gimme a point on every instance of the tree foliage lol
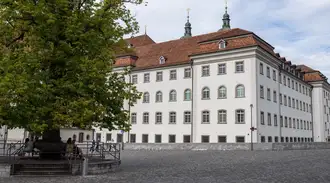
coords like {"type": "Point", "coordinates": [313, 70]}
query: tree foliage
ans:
{"type": "Point", "coordinates": [56, 61]}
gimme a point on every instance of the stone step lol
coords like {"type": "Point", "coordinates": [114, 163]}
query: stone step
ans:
{"type": "Point", "coordinates": [43, 172]}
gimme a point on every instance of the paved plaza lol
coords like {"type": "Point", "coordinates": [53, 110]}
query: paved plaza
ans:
{"type": "Point", "coordinates": [209, 166]}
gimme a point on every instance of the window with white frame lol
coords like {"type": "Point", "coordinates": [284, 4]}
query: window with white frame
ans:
{"type": "Point", "coordinates": [146, 78]}
{"type": "Point", "coordinates": [187, 73]}
{"type": "Point", "coordinates": [296, 86]}
{"type": "Point", "coordinates": [281, 121]}
{"type": "Point", "coordinates": [239, 66]}
{"type": "Point", "coordinates": [205, 70]}
{"type": "Point", "coordinates": [262, 118]}
{"type": "Point", "coordinates": [146, 97]}
{"type": "Point", "coordinates": [294, 123]}
{"type": "Point", "coordinates": [293, 103]}
{"type": "Point", "coordinates": [222, 44]}
{"type": "Point", "coordinates": [221, 69]}
{"type": "Point", "coordinates": [292, 85]}
{"type": "Point", "coordinates": [134, 79]}
{"type": "Point", "coordinates": [206, 93]}
{"type": "Point", "coordinates": [159, 76]}
{"type": "Point", "coordinates": [222, 116]}
{"type": "Point", "coordinates": [279, 77]}
{"type": "Point", "coordinates": [285, 101]}
{"type": "Point", "coordinates": [285, 122]}
{"type": "Point", "coordinates": [133, 118]}
{"type": "Point", "coordinates": [159, 118]}
{"type": "Point", "coordinates": [172, 96]}
{"type": "Point", "coordinates": [284, 80]}
{"type": "Point", "coordinates": [187, 95]}
{"type": "Point", "coordinates": [173, 75]}
{"type": "Point", "coordinates": [262, 92]}
{"type": "Point", "coordinates": [240, 91]}
{"type": "Point", "coordinates": [222, 92]}
{"type": "Point", "coordinates": [240, 116]}
{"type": "Point", "coordinates": [205, 116]}
{"type": "Point", "coordinates": [280, 96]}
{"type": "Point", "coordinates": [289, 101]}
{"type": "Point", "coordinates": [274, 96]}
{"type": "Point", "coordinates": [269, 119]}
{"type": "Point", "coordinates": [172, 118]}
{"type": "Point", "coordinates": [145, 118]}
{"type": "Point", "coordinates": [268, 72]}
{"type": "Point", "coordinates": [187, 117]}
{"type": "Point", "coordinates": [298, 124]}
{"type": "Point", "coordinates": [261, 68]}
{"type": "Point", "coordinates": [275, 120]}
{"type": "Point", "coordinates": [268, 94]}
{"type": "Point", "coordinates": [274, 75]}
{"type": "Point", "coordinates": [289, 82]}
{"type": "Point", "coordinates": [159, 96]}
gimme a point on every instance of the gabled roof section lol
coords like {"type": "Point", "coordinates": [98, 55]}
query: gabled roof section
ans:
{"type": "Point", "coordinates": [305, 68]}
{"type": "Point", "coordinates": [227, 34]}
{"type": "Point", "coordinates": [141, 40]}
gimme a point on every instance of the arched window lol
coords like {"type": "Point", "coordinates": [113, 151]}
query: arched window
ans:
{"type": "Point", "coordinates": [187, 94]}
{"type": "Point", "coordinates": [159, 96]}
{"type": "Point", "coordinates": [240, 116]}
{"type": "Point", "coordinates": [222, 92]}
{"type": "Point", "coordinates": [206, 93]}
{"type": "Point", "coordinates": [146, 97]}
{"type": "Point", "coordinates": [222, 116]}
{"type": "Point", "coordinates": [222, 44]}
{"type": "Point", "coordinates": [240, 91]}
{"type": "Point", "coordinates": [172, 96]}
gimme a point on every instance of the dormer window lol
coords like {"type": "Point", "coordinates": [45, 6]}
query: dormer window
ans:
{"type": "Point", "coordinates": [162, 60]}
{"type": "Point", "coordinates": [222, 44]}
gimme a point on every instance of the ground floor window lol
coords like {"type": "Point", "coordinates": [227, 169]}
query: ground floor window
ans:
{"type": "Point", "coordinates": [158, 138]}
{"type": "Point", "coordinates": [205, 139]}
{"type": "Point", "coordinates": [132, 138]}
{"type": "Point", "coordinates": [282, 139]}
{"type": "Point", "coordinates": [145, 138]}
{"type": "Point", "coordinates": [240, 139]}
{"type": "Point", "coordinates": [171, 138]}
{"type": "Point", "coordinates": [108, 137]}
{"type": "Point", "coordinates": [276, 139]}
{"type": "Point", "coordinates": [270, 139]}
{"type": "Point", "coordinates": [186, 138]}
{"type": "Point", "coordinates": [119, 138]}
{"type": "Point", "coordinates": [222, 139]}
{"type": "Point", "coordinates": [262, 139]}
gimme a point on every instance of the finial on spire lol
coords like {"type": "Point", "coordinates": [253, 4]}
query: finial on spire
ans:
{"type": "Point", "coordinates": [187, 25]}
{"type": "Point", "coordinates": [226, 18]}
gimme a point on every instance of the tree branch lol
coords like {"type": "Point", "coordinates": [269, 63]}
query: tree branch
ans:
{"type": "Point", "coordinates": [20, 37]}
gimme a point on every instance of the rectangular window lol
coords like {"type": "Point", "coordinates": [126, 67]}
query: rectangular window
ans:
{"type": "Point", "coordinates": [301, 124]}
{"type": "Point", "coordinates": [134, 79]}
{"type": "Point", "coordinates": [274, 96]}
{"type": "Point", "coordinates": [206, 70]}
{"type": "Point", "coordinates": [292, 84]}
{"type": "Point", "coordinates": [173, 75]}
{"type": "Point", "coordinates": [298, 124]}
{"type": "Point", "coordinates": [239, 66]}
{"type": "Point", "coordinates": [268, 72]}
{"type": "Point", "coordinates": [262, 139]}
{"type": "Point", "coordinates": [222, 139]}
{"type": "Point", "coordinates": [281, 121]}
{"type": "Point", "coordinates": [294, 123]}
{"type": "Point", "coordinates": [311, 125]}
{"type": "Point", "coordinates": [284, 80]}
{"type": "Point", "coordinates": [297, 104]}
{"type": "Point", "coordinates": [279, 77]}
{"type": "Point", "coordinates": [186, 139]}
{"type": "Point", "coordinates": [289, 82]}
{"type": "Point", "coordinates": [261, 68]}
{"type": "Point", "coordinates": [119, 138]}
{"type": "Point", "coordinates": [145, 138]}
{"type": "Point", "coordinates": [146, 78]}
{"type": "Point", "coordinates": [222, 117]}
{"type": "Point", "coordinates": [300, 105]}
{"type": "Point", "coordinates": [205, 117]}
{"type": "Point", "coordinates": [262, 118]}
{"type": "Point", "coordinates": [159, 76]}
{"type": "Point", "coordinates": [275, 120]}
{"type": "Point", "coordinates": [300, 88]}
{"type": "Point", "coordinates": [262, 93]}
{"type": "Point", "coordinates": [132, 138]}
{"type": "Point", "coordinates": [269, 119]}
{"type": "Point", "coordinates": [281, 98]}
{"type": "Point", "coordinates": [296, 86]}
{"type": "Point", "coordinates": [108, 137]}
{"type": "Point", "coordinates": [285, 122]}
{"type": "Point", "coordinates": [240, 116]}
{"type": "Point", "coordinates": [221, 69]}
{"type": "Point", "coordinates": [171, 139]}
{"type": "Point", "coordinates": [205, 138]}
{"type": "Point", "coordinates": [158, 138]}
{"type": "Point", "coordinates": [289, 101]}
{"type": "Point", "coordinates": [240, 139]}
{"type": "Point", "coordinates": [303, 89]}
{"type": "Point", "coordinates": [172, 118]}
{"type": "Point", "coordinates": [133, 118]}
{"type": "Point", "coordinates": [290, 123]}
{"type": "Point", "coordinates": [285, 101]}
{"type": "Point", "coordinates": [274, 75]}
{"type": "Point", "coordinates": [159, 118]}
{"type": "Point", "coordinates": [187, 73]}
{"type": "Point", "coordinates": [270, 139]}
{"type": "Point", "coordinates": [293, 103]}
{"type": "Point", "coordinates": [268, 94]}
{"type": "Point", "coordinates": [145, 118]}
{"type": "Point", "coordinates": [307, 125]}
{"type": "Point", "coordinates": [187, 117]}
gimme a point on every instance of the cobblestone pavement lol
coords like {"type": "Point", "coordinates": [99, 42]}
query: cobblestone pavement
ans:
{"type": "Point", "coordinates": [209, 166]}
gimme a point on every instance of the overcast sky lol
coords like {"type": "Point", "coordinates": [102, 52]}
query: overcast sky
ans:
{"type": "Point", "coordinates": [298, 29]}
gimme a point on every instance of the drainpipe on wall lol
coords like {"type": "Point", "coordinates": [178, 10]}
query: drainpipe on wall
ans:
{"type": "Point", "coordinates": [279, 104]}
{"type": "Point", "coordinates": [192, 102]}
{"type": "Point", "coordinates": [311, 109]}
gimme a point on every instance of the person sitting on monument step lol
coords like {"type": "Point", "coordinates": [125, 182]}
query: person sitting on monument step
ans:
{"type": "Point", "coordinates": [28, 147]}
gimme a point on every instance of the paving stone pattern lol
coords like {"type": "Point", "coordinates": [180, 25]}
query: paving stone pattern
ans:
{"type": "Point", "coordinates": [209, 166]}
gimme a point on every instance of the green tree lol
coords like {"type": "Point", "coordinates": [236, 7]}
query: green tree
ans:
{"type": "Point", "coordinates": [56, 60]}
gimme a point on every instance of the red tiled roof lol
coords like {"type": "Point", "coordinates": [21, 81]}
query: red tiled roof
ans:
{"type": "Point", "coordinates": [178, 51]}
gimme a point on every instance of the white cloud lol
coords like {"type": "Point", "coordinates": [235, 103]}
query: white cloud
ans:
{"type": "Point", "coordinates": [298, 29]}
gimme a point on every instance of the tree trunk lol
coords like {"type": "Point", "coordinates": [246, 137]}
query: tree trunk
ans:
{"type": "Point", "coordinates": [51, 147]}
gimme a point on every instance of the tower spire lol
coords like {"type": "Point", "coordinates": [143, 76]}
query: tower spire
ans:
{"type": "Point", "coordinates": [226, 18]}
{"type": "Point", "coordinates": [187, 26]}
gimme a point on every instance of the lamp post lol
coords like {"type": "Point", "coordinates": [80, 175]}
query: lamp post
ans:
{"type": "Point", "coordinates": [251, 128]}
